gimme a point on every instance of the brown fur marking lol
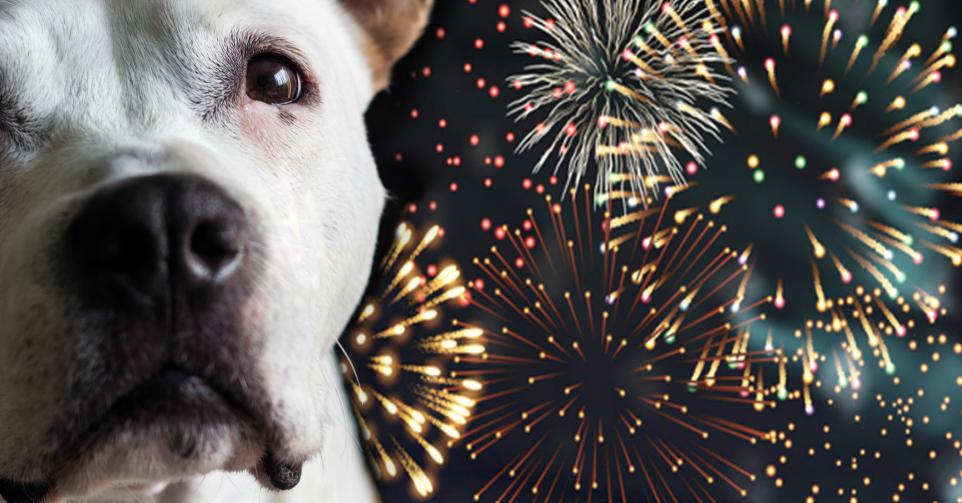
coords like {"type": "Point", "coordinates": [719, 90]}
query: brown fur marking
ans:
{"type": "Point", "coordinates": [391, 27]}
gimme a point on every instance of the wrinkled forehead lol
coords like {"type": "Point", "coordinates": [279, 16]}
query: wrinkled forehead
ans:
{"type": "Point", "coordinates": [101, 52]}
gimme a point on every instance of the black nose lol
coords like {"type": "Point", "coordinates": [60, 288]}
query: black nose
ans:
{"type": "Point", "coordinates": [153, 236]}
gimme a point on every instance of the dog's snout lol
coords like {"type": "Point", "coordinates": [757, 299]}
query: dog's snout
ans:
{"type": "Point", "coordinates": [158, 235]}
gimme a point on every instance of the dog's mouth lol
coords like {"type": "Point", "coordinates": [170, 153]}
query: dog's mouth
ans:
{"type": "Point", "coordinates": [187, 405]}
{"type": "Point", "coordinates": [173, 392]}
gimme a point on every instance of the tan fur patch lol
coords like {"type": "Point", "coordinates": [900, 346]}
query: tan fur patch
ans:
{"type": "Point", "coordinates": [390, 28]}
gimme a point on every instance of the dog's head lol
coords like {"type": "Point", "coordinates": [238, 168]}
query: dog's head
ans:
{"type": "Point", "coordinates": [188, 210]}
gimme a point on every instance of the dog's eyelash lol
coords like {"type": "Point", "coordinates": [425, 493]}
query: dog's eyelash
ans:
{"type": "Point", "coordinates": [226, 81]}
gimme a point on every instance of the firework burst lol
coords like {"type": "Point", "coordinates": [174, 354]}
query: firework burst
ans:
{"type": "Point", "coordinates": [623, 83]}
{"type": "Point", "coordinates": [846, 161]}
{"type": "Point", "coordinates": [618, 359]}
{"type": "Point", "coordinates": [840, 154]}
{"type": "Point", "coordinates": [399, 365]}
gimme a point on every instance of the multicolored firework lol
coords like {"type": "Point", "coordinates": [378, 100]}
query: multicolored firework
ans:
{"type": "Point", "coordinates": [624, 83]}
{"type": "Point", "coordinates": [625, 342]}
{"type": "Point", "coordinates": [399, 366]}
{"type": "Point", "coordinates": [846, 160]}
{"type": "Point", "coordinates": [836, 148]}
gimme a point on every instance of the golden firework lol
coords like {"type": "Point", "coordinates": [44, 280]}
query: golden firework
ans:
{"type": "Point", "coordinates": [400, 363]}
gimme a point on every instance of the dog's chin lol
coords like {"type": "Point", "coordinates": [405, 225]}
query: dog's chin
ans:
{"type": "Point", "coordinates": [171, 428]}
{"type": "Point", "coordinates": [145, 455]}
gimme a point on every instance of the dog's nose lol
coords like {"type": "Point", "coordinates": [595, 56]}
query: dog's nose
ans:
{"type": "Point", "coordinates": [156, 235]}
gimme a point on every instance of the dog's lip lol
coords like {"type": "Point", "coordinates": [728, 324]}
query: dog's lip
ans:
{"type": "Point", "coordinates": [170, 392]}
{"type": "Point", "coordinates": [175, 386]}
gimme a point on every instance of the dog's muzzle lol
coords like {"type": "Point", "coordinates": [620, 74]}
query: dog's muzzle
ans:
{"type": "Point", "coordinates": [163, 269]}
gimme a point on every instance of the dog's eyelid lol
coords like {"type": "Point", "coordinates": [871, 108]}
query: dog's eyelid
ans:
{"type": "Point", "coordinates": [254, 43]}
{"type": "Point", "coordinates": [296, 63]}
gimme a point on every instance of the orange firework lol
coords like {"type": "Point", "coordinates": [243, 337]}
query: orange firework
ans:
{"type": "Point", "coordinates": [624, 345]}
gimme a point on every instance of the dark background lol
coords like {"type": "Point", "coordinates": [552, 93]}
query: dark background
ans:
{"type": "Point", "coordinates": [421, 131]}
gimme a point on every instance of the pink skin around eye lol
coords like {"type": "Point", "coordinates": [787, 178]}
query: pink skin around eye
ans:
{"type": "Point", "coordinates": [260, 120]}
{"type": "Point", "coordinates": [264, 126]}
{"type": "Point", "coordinates": [270, 126]}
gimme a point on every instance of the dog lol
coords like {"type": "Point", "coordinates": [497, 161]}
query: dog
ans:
{"type": "Point", "coordinates": [188, 215]}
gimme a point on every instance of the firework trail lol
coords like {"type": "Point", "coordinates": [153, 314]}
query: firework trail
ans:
{"type": "Point", "coordinates": [843, 160]}
{"type": "Point", "coordinates": [618, 359]}
{"type": "Point", "coordinates": [621, 84]}
{"type": "Point", "coordinates": [398, 364]}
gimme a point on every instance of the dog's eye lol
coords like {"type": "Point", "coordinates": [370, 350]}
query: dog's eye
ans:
{"type": "Point", "coordinates": [273, 79]}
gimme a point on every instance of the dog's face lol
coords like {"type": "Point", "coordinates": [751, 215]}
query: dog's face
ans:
{"type": "Point", "coordinates": [188, 210]}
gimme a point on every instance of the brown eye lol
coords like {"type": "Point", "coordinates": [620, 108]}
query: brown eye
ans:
{"type": "Point", "coordinates": [273, 79]}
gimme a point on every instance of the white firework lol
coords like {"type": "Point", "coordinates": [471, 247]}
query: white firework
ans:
{"type": "Point", "coordinates": [628, 84]}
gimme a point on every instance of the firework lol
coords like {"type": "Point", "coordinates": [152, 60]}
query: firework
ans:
{"type": "Point", "coordinates": [618, 357]}
{"type": "Point", "coordinates": [623, 83]}
{"type": "Point", "coordinates": [843, 161]}
{"type": "Point", "coordinates": [399, 365]}
{"type": "Point", "coordinates": [845, 155]}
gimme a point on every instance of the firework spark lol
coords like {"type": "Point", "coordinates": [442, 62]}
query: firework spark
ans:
{"type": "Point", "coordinates": [625, 83]}
{"type": "Point", "coordinates": [619, 357]}
{"type": "Point", "coordinates": [408, 405]}
{"type": "Point", "coordinates": [895, 439]}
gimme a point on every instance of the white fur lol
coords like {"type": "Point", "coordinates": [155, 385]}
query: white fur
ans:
{"type": "Point", "coordinates": [108, 77]}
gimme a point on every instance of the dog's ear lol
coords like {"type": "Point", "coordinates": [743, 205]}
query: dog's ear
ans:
{"type": "Point", "coordinates": [389, 29]}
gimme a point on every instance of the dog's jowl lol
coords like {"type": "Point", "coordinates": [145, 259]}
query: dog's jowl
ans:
{"type": "Point", "coordinates": [188, 211]}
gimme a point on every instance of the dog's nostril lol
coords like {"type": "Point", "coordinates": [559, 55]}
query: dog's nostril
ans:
{"type": "Point", "coordinates": [215, 250]}
{"type": "Point", "coordinates": [213, 241]}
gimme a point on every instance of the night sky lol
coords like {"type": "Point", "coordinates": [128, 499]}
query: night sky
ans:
{"type": "Point", "coordinates": [446, 149]}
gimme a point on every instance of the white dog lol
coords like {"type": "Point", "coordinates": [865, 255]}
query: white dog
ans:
{"type": "Point", "coordinates": [188, 212]}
